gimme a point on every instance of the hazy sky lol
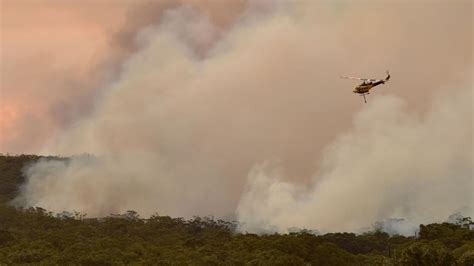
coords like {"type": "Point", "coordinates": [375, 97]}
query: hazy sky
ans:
{"type": "Point", "coordinates": [55, 54]}
{"type": "Point", "coordinates": [49, 50]}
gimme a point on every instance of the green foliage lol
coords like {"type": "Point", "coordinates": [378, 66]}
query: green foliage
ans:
{"type": "Point", "coordinates": [451, 235]}
{"type": "Point", "coordinates": [465, 254]}
{"type": "Point", "coordinates": [425, 253]}
{"type": "Point", "coordinates": [11, 174]}
{"type": "Point", "coordinates": [36, 236]}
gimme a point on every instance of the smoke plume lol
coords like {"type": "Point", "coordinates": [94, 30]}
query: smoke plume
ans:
{"type": "Point", "coordinates": [56, 58]}
{"type": "Point", "coordinates": [244, 114]}
{"type": "Point", "coordinates": [392, 164]}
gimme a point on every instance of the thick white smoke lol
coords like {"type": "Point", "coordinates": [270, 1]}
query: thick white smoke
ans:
{"type": "Point", "coordinates": [392, 164]}
{"type": "Point", "coordinates": [197, 107]}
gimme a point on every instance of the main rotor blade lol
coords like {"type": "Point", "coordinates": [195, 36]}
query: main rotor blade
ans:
{"type": "Point", "coordinates": [344, 77]}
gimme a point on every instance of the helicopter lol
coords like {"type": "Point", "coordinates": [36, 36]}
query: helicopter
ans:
{"type": "Point", "coordinates": [367, 84]}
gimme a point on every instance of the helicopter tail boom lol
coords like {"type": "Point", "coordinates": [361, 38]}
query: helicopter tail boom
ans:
{"type": "Point", "coordinates": [388, 76]}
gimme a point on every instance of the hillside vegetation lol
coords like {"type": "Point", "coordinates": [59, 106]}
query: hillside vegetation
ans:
{"type": "Point", "coordinates": [36, 236]}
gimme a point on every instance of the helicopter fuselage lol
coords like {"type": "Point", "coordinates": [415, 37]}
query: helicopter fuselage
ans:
{"type": "Point", "coordinates": [363, 88]}
{"type": "Point", "coordinates": [366, 87]}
